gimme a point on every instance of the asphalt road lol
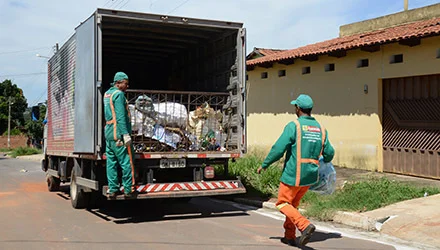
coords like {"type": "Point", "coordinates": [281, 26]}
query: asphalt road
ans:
{"type": "Point", "coordinates": [33, 218]}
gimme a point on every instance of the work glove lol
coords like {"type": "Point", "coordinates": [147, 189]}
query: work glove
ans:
{"type": "Point", "coordinates": [127, 139]}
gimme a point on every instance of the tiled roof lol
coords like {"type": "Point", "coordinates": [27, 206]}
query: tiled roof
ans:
{"type": "Point", "coordinates": [393, 34]}
{"type": "Point", "coordinates": [268, 52]}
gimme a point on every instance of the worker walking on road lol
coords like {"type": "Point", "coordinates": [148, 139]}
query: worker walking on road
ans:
{"type": "Point", "coordinates": [119, 149]}
{"type": "Point", "coordinates": [304, 141]}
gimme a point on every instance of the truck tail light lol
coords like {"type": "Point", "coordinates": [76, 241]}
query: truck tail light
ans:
{"type": "Point", "coordinates": [209, 172]}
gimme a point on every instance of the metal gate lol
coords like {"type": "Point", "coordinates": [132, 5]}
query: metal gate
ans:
{"type": "Point", "coordinates": [411, 125]}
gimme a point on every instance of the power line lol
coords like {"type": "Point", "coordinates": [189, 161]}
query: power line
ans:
{"type": "Point", "coordinates": [179, 6]}
{"type": "Point", "coordinates": [39, 98]}
{"type": "Point", "coordinates": [28, 74]}
{"type": "Point", "coordinates": [113, 4]}
{"type": "Point", "coordinates": [119, 4]}
{"type": "Point", "coordinates": [124, 4]}
{"type": "Point", "coordinates": [106, 3]}
{"type": "Point", "coordinates": [152, 2]}
{"type": "Point", "coordinates": [20, 51]}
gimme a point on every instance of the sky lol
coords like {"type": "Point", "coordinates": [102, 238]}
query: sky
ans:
{"type": "Point", "coordinates": [28, 28]}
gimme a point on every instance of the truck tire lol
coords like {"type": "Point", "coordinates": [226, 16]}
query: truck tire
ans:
{"type": "Point", "coordinates": [78, 197]}
{"type": "Point", "coordinates": [53, 183]}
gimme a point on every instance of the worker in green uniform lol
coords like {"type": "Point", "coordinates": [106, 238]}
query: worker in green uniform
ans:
{"type": "Point", "coordinates": [119, 149]}
{"type": "Point", "coordinates": [303, 141]}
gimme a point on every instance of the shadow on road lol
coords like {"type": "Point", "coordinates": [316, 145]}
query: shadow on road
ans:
{"type": "Point", "coordinates": [138, 211]}
{"type": "Point", "coordinates": [317, 237]}
{"type": "Point", "coordinates": [149, 210]}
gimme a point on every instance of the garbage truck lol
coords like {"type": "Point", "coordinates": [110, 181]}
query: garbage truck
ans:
{"type": "Point", "coordinates": [186, 100]}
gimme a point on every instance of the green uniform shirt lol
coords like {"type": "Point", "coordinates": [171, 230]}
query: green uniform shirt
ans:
{"type": "Point", "coordinates": [116, 115]}
{"type": "Point", "coordinates": [311, 146]}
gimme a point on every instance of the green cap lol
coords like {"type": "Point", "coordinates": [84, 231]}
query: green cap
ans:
{"type": "Point", "coordinates": [303, 101]}
{"type": "Point", "coordinates": [119, 77]}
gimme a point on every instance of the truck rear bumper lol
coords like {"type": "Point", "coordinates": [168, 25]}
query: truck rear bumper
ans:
{"type": "Point", "coordinates": [184, 189]}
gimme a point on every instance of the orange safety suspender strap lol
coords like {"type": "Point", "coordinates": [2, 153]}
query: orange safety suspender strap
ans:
{"type": "Point", "coordinates": [299, 158]}
{"type": "Point", "coordinates": [298, 152]}
{"type": "Point", "coordinates": [113, 120]}
{"type": "Point", "coordinates": [323, 136]}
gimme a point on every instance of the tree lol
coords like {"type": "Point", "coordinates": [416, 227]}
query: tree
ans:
{"type": "Point", "coordinates": [9, 90]}
{"type": "Point", "coordinates": [35, 129]}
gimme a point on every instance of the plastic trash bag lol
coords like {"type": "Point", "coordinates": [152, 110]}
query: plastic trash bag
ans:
{"type": "Point", "coordinates": [170, 114]}
{"type": "Point", "coordinates": [327, 179]}
{"type": "Point", "coordinates": [169, 138]}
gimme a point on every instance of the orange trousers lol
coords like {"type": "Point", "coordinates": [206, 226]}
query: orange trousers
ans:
{"type": "Point", "coordinates": [288, 202]}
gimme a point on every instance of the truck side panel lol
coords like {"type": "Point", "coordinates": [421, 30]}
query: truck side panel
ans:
{"type": "Point", "coordinates": [85, 88]}
{"type": "Point", "coordinates": [61, 79]}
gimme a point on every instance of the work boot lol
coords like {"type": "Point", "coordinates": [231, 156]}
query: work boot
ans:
{"type": "Point", "coordinates": [306, 235]}
{"type": "Point", "coordinates": [131, 195]}
{"type": "Point", "coordinates": [290, 242]}
{"type": "Point", "coordinates": [112, 196]}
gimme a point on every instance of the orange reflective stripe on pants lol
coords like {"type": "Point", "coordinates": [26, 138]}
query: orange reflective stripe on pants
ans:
{"type": "Point", "coordinates": [130, 154]}
{"type": "Point", "coordinates": [289, 198]}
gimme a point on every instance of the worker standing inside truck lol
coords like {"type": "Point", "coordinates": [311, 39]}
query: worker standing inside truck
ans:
{"type": "Point", "coordinates": [119, 148]}
{"type": "Point", "coordinates": [304, 141]}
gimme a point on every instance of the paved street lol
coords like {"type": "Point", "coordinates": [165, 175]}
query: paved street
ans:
{"type": "Point", "coordinates": [33, 218]}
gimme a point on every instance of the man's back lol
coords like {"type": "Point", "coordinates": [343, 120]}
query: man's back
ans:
{"type": "Point", "coordinates": [302, 153]}
{"type": "Point", "coordinates": [116, 114]}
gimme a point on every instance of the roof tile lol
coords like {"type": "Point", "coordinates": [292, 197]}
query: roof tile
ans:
{"type": "Point", "coordinates": [393, 34]}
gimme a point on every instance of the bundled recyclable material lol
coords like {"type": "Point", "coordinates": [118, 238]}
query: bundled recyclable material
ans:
{"type": "Point", "coordinates": [171, 114]}
{"type": "Point", "coordinates": [170, 124]}
{"type": "Point", "coordinates": [169, 138]}
{"type": "Point", "coordinates": [327, 179]}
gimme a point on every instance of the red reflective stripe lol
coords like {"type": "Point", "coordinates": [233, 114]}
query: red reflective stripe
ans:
{"type": "Point", "coordinates": [164, 187]}
{"type": "Point", "coordinates": [235, 155]}
{"type": "Point", "coordinates": [298, 152]}
{"type": "Point", "coordinates": [188, 186]}
{"type": "Point", "coordinates": [206, 185]}
{"type": "Point", "coordinates": [145, 156]}
{"type": "Point", "coordinates": [145, 188]}
{"type": "Point", "coordinates": [197, 186]}
{"type": "Point", "coordinates": [201, 155]}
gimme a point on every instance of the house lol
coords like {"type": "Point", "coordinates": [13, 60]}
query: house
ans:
{"type": "Point", "coordinates": [260, 52]}
{"type": "Point", "coordinates": [376, 89]}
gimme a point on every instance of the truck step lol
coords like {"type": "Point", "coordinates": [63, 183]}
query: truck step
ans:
{"type": "Point", "coordinates": [184, 189]}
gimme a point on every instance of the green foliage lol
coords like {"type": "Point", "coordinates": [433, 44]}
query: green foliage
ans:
{"type": "Point", "coordinates": [362, 195]}
{"type": "Point", "coordinates": [10, 91]}
{"type": "Point", "coordinates": [14, 131]}
{"type": "Point", "coordinates": [24, 151]}
{"type": "Point", "coordinates": [35, 129]}
{"type": "Point", "coordinates": [265, 184]}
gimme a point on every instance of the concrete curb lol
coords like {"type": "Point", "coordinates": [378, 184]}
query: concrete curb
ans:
{"type": "Point", "coordinates": [351, 219]}
{"type": "Point", "coordinates": [36, 157]}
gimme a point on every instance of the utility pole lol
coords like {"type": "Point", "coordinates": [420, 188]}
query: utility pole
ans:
{"type": "Point", "coordinates": [405, 5]}
{"type": "Point", "coordinates": [9, 123]}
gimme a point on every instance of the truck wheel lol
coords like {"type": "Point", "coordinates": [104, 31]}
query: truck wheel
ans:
{"type": "Point", "coordinates": [78, 197]}
{"type": "Point", "coordinates": [53, 183]}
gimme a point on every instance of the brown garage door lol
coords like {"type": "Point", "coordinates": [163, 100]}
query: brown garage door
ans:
{"type": "Point", "coordinates": [411, 125]}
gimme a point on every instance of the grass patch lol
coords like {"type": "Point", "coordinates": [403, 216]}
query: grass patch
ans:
{"type": "Point", "coordinates": [363, 196]}
{"type": "Point", "coordinates": [24, 151]}
{"type": "Point", "coordinates": [265, 184]}
{"type": "Point", "coordinates": [5, 150]}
